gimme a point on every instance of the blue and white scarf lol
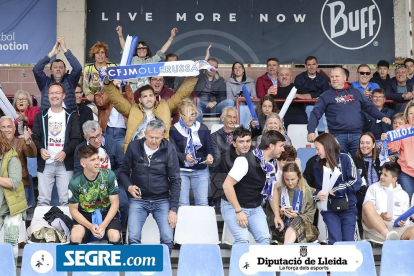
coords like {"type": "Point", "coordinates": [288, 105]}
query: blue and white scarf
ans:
{"type": "Point", "coordinates": [393, 135]}
{"type": "Point", "coordinates": [269, 168]}
{"type": "Point", "coordinates": [285, 202]}
{"type": "Point", "coordinates": [193, 140]}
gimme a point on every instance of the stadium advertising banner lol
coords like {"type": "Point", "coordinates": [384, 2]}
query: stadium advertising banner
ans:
{"type": "Point", "coordinates": [335, 31]}
{"type": "Point", "coordinates": [27, 31]}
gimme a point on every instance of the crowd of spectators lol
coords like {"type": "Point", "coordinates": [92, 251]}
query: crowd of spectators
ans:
{"type": "Point", "coordinates": [128, 151]}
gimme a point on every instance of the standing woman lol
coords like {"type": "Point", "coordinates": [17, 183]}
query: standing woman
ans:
{"type": "Point", "coordinates": [143, 55]}
{"type": "Point", "coordinates": [339, 221]}
{"type": "Point", "coordinates": [297, 208]}
{"type": "Point", "coordinates": [195, 151]}
{"type": "Point", "coordinates": [23, 104]}
{"type": "Point", "coordinates": [406, 157]}
{"type": "Point", "coordinates": [368, 166]}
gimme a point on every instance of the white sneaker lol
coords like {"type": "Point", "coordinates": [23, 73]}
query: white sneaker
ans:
{"type": "Point", "coordinates": [392, 236]}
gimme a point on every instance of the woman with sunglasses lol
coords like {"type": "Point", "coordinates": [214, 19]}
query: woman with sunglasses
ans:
{"type": "Point", "coordinates": [195, 151]}
{"type": "Point", "coordinates": [143, 55]}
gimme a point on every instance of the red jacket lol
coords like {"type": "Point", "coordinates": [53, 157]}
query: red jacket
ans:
{"type": "Point", "coordinates": [30, 113]}
{"type": "Point", "coordinates": [263, 83]}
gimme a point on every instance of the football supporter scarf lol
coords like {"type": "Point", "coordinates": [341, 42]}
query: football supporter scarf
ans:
{"type": "Point", "coordinates": [285, 202]}
{"type": "Point", "coordinates": [393, 135]}
{"type": "Point", "coordinates": [269, 168]}
{"type": "Point", "coordinates": [193, 140]}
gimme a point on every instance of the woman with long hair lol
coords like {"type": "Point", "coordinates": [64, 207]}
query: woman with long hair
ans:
{"type": "Point", "coordinates": [368, 166]}
{"type": "Point", "coordinates": [265, 106]}
{"type": "Point", "coordinates": [297, 208]}
{"type": "Point", "coordinates": [341, 212]}
{"type": "Point", "coordinates": [234, 88]}
{"type": "Point", "coordinates": [143, 55]}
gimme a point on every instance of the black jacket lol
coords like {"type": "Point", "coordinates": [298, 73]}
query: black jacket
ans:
{"type": "Point", "coordinates": [369, 122]}
{"type": "Point", "coordinates": [315, 87]}
{"type": "Point", "coordinates": [391, 91]}
{"type": "Point", "coordinates": [158, 177]}
{"type": "Point", "coordinates": [223, 166]}
{"type": "Point", "coordinates": [309, 172]}
{"type": "Point", "coordinates": [114, 151]}
{"type": "Point", "coordinates": [362, 169]}
{"type": "Point", "coordinates": [220, 145]}
{"type": "Point", "coordinates": [40, 135]}
{"type": "Point", "coordinates": [382, 83]}
{"type": "Point", "coordinates": [84, 114]}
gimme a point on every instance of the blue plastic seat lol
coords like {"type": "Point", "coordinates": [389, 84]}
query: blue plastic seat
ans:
{"type": "Point", "coordinates": [367, 267]}
{"type": "Point", "coordinates": [397, 258]}
{"type": "Point", "coordinates": [7, 265]}
{"type": "Point", "coordinates": [322, 121]}
{"type": "Point", "coordinates": [237, 251]}
{"type": "Point", "coordinates": [200, 260]}
{"type": "Point", "coordinates": [30, 249]}
{"type": "Point", "coordinates": [167, 271]}
{"type": "Point", "coordinates": [304, 154]}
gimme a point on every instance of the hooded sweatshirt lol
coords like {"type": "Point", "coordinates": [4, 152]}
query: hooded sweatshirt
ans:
{"type": "Point", "coordinates": [342, 108]}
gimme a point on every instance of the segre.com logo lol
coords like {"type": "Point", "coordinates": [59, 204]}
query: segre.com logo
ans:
{"type": "Point", "coordinates": [109, 258]}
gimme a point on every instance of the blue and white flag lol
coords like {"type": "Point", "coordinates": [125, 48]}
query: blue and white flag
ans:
{"type": "Point", "coordinates": [182, 68]}
{"type": "Point", "coordinates": [393, 135]}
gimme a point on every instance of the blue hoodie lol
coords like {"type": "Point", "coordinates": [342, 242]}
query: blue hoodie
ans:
{"type": "Point", "coordinates": [342, 109]}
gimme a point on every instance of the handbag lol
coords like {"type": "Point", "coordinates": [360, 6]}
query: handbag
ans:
{"type": "Point", "coordinates": [339, 204]}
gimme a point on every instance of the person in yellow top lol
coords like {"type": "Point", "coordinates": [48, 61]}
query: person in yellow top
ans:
{"type": "Point", "coordinates": [147, 109]}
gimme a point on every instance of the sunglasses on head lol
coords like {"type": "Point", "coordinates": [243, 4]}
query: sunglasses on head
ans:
{"type": "Point", "coordinates": [365, 73]}
{"type": "Point", "coordinates": [142, 48]}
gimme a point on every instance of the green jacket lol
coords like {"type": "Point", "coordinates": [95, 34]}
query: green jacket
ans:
{"type": "Point", "coordinates": [15, 197]}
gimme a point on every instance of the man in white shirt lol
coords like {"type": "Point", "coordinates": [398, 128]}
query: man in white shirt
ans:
{"type": "Point", "coordinates": [376, 222]}
{"type": "Point", "coordinates": [56, 135]}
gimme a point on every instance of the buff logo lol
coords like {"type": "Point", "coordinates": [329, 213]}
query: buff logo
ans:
{"type": "Point", "coordinates": [351, 25]}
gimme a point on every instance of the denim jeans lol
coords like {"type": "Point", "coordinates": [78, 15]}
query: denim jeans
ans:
{"type": "Point", "coordinates": [348, 142]}
{"type": "Point", "coordinates": [202, 107]}
{"type": "Point", "coordinates": [407, 183]}
{"type": "Point", "coordinates": [198, 181]}
{"type": "Point", "coordinates": [118, 134]}
{"type": "Point", "coordinates": [55, 171]}
{"type": "Point", "coordinates": [139, 210]}
{"type": "Point", "coordinates": [257, 224]}
{"type": "Point", "coordinates": [123, 205]}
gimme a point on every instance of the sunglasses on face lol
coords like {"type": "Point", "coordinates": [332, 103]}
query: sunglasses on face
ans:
{"type": "Point", "coordinates": [364, 73]}
{"type": "Point", "coordinates": [142, 48]}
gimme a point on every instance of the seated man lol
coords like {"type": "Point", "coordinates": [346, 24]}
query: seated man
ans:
{"type": "Point", "coordinates": [376, 223]}
{"type": "Point", "coordinates": [211, 92]}
{"type": "Point", "coordinates": [409, 63]}
{"type": "Point", "coordinates": [363, 83]}
{"type": "Point", "coordinates": [382, 77]}
{"type": "Point", "coordinates": [377, 127]}
{"type": "Point", "coordinates": [111, 157]}
{"type": "Point", "coordinates": [223, 138]}
{"type": "Point", "coordinates": [93, 197]}
{"type": "Point", "coordinates": [400, 87]}
{"type": "Point", "coordinates": [151, 175]}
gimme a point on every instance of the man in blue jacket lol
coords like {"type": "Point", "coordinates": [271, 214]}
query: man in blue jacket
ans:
{"type": "Point", "coordinates": [151, 175]}
{"type": "Point", "coordinates": [111, 157]}
{"type": "Point", "coordinates": [342, 105]}
{"type": "Point", "coordinates": [363, 84]}
{"type": "Point", "coordinates": [59, 74]}
{"type": "Point", "coordinates": [313, 82]}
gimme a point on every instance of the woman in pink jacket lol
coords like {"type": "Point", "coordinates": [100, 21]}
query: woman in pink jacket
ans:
{"type": "Point", "coordinates": [406, 158]}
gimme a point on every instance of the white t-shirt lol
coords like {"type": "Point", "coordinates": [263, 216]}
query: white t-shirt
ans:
{"type": "Point", "coordinates": [378, 195]}
{"type": "Point", "coordinates": [56, 133]}
{"type": "Point", "coordinates": [116, 119]}
{"type": "Point", "coordinates": [104, 158]}
{"type": "Point", "coordinates": [239, 169]}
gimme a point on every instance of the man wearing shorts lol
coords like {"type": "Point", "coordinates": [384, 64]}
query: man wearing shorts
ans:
{"type": "Point", "coordinates": [377, 223]}
{"type": "Point", "coordinates": [94, 201]}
